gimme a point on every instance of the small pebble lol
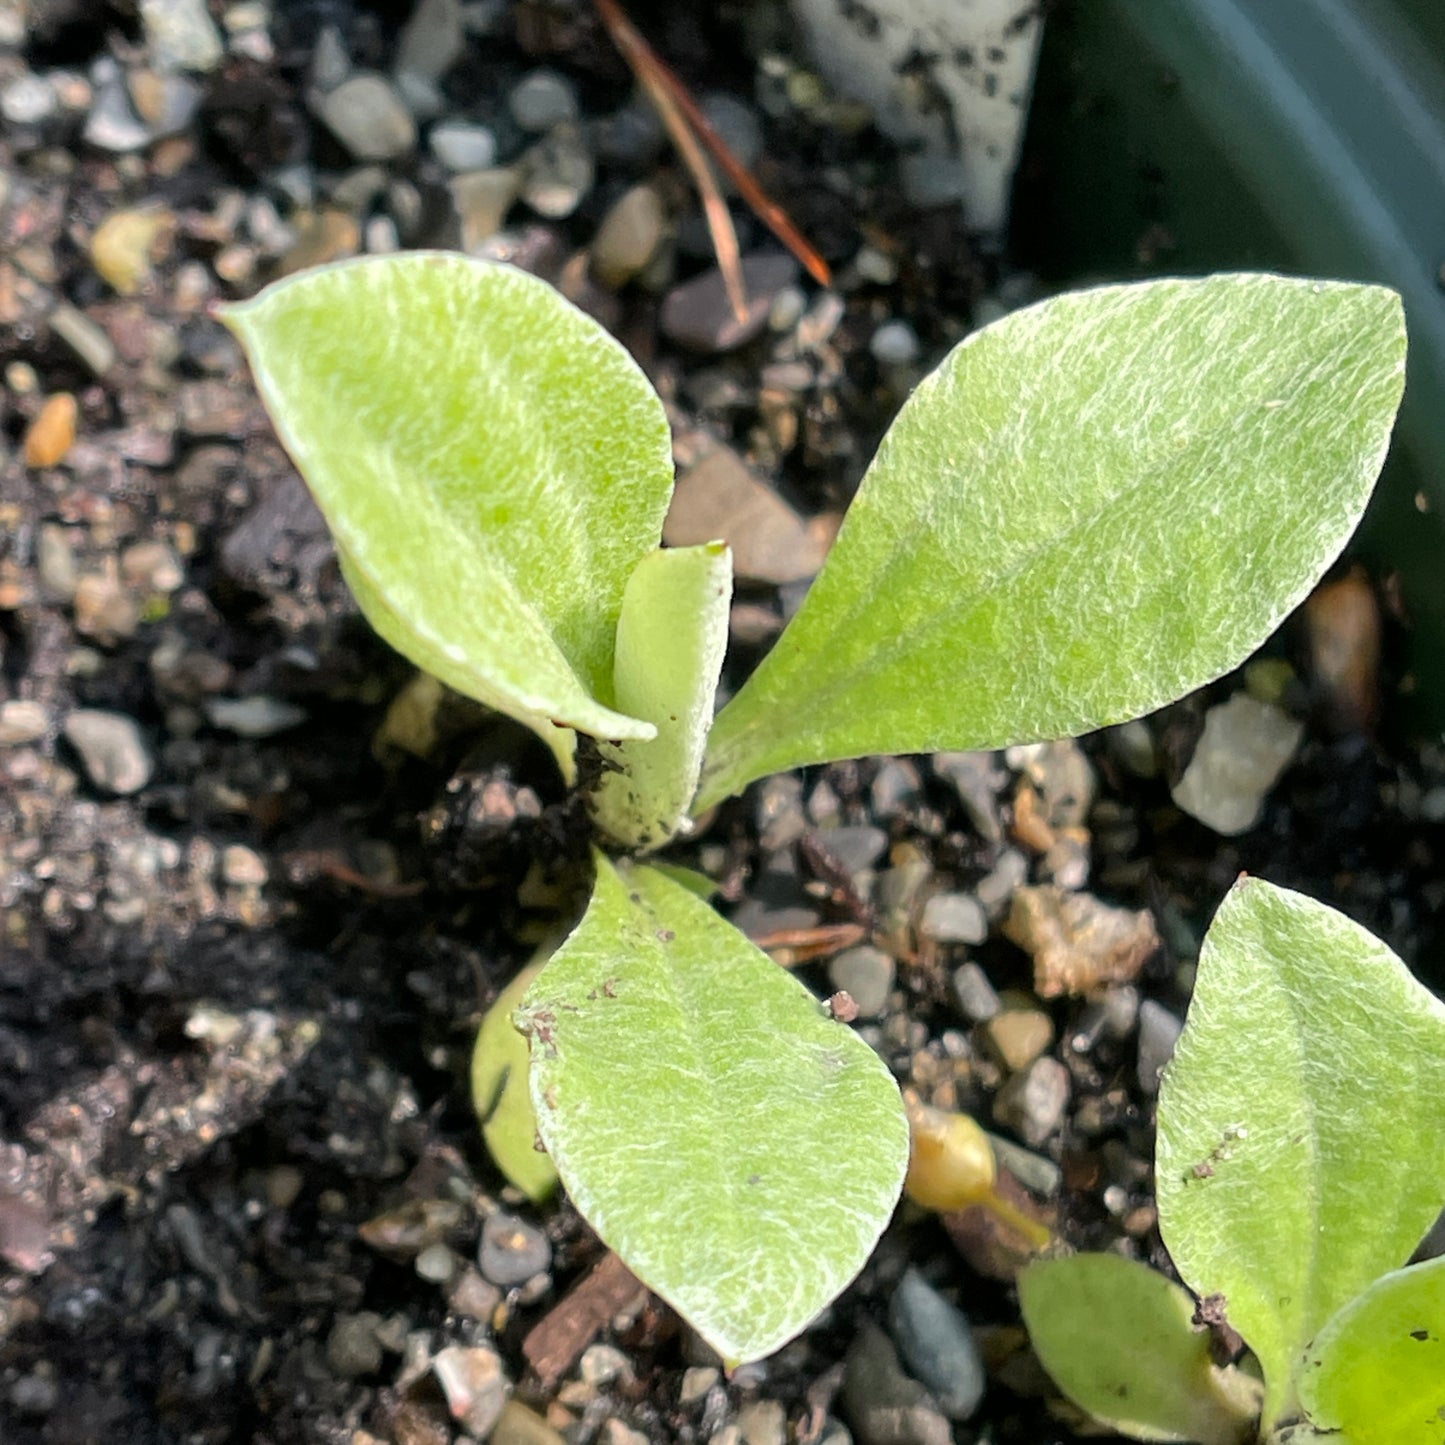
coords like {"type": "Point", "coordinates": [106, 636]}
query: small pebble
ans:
{"type": "Point", "coordinates": [1009, 873]}
{"type": "Point", "coordinates": [763, 1422]}
{"type": "Point", "coordinates": [697, 1380]}
{"type": "Point", "coordinates": [473, 1296]}
{"type": "Point", "coordinates": [432, 40]}
{"type": "Point", "coordinates": [28, 99]}
{"type": "Point", "coordinates": [1033, 1103]}
{"type": "Point", "coordinates": [37, 1393]}
{"type": "Point", "coordinates": [482, 200]}
{"type": "Point", "coordinates": [52, 433]}
{"type": "Point", "coordinates": [884, 1405]}
{"type": "Point", "coordinates": [111, 124]}
{"type": "Point", "coordinates": [1245, 747]}
{"type": "Point", "coordinates": [121, 248]}
{"type": "Point", "coordinates": [352, 1347]}
{"type": "Point", "coordinates": [557, 173]}
{"type": "Point", "coordinates": [112, 750]}
{"type": "Point", "coordinates": [22, 721]}
{"type": "Point", "coordinates": [512, 1251]}
{"type": "Point", "coordinates": [867, 974]}
{"type": "Point", "coordinates": [542, 99]}
{"type": "Point", "coordinates": [1017, 1036]}
{"type": "Point", "coordinates": [954, 918]}
{"type": "Point", "coordinates": [152, 566]}
{"type": "Point", "coordinates": [87, 340]}
{"type": "Point", "coordinates": [518, 1425]}
{"type": "Point", "coordinates": [180, 35]}
{"type": "Point", "coordinates": [627, 238]}
{"type": "Point", "coordinates": [258, 716]}
{"type": "Point", "coordinates": [737, 124]}
{"type": "Point", "coordinates": [436, 1264]}
{"type": "Point", "coordinates": [936, 1343]}
{"type": "Point", "coordinates": [460, 146]}
{"type": "Point", "coordinates": [475, 1385]}
{"type": "Point", "coordinates": [601, 1364]}
{"type": "Point", "coordinates": [1159, 1031]}
{"type": "Point", "coordinates": [242, 867]}
{"type": "Point", "coordinates": [698, 316]}
{"type": "Point", "coordinates": [895, 343]}
{"type": "Point", "coordinates": [978, 1000]}
{"type": "Point", "coordinates": [631, 137]}
{"type": "Point", "coordinates": [368, 117]}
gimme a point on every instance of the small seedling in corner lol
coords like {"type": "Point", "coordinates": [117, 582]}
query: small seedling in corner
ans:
{"type": "Point", "coordinates": [1300, 1150]}
{"type": "Point", "coordinates": [1090, 508]}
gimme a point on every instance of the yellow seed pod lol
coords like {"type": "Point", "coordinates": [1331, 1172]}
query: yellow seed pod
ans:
{"type": "Point", "coordinates": [951, 1165]}
{"type": "Point", "coordinates": [950, 1161]}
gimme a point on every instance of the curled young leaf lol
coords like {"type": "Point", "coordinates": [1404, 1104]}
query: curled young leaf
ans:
{"type": "Point", "coordinates": [490, 461]}
{"type": "Point", "coordinates": [1090, 508]}
{"type": "Point", "coordinates": [740, 1149]}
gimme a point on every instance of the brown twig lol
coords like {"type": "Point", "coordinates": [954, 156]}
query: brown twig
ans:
{"type": "Point", "coordinates": [687, 124]}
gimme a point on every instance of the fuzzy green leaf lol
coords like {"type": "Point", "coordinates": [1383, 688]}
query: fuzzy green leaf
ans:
{"type": "Point", "coordinates": [1300, 1123]}
{"type": "Point", "coordinates": [491, 463]}
{"type": "Point", "coordinates": [738, 1148]}
{"type": "Point", "coordinates": [1117, 1339]}
{"type": "Point", "coordinates": [500, 1092]}
{"type": "Point", "coordinates": [670, 644]}
{"type": "Point", "coordinates": [1090, 508]}
{"type": "Point", "coordinates": [1376, 1372]}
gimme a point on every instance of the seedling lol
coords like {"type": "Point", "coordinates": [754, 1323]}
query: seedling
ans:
{"type": "Point", "coordinates": [1090, 508]}
{"type": "Point", "coordinates": [1300, 1143]}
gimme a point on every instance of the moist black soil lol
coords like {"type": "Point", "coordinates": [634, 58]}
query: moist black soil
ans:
{"type": "Point", "coordinates": [237, 1003]}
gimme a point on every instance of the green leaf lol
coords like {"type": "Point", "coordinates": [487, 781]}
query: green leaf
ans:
{"type": "Point", "coordinates": [1300, 1123]}
{"type": "Point", "coordinates": [1090, 508]}
{"type": "Point", "coordinates": [500, 1092]}
{"type": "Point", "coordinates": [491, 463]}
{"type": "Point", "coordinates": [739, 1149]}
{"type": "Point", "coordinates": [1376, 1372]}
{"type": "Point", "coordinates": [1118, 1340]}
{"type": "Point", "coordinates": [670, 644]}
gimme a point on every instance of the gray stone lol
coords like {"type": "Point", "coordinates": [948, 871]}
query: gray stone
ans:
{"type": "Point", "coordinates": [895, 343]}
{"type": "Point", "coordinates": [884, 1405]}
{"type": "Point", "coordinates": [978, 1000]}
{"type": "Point", "coordinates": [541, 100]}
{"type": "Point", "coordinates": [632, 136]}
{"type": "Point", "coordinates": [111, 124]}
{"type": "Point", "coordinates": [856, 847]}
{"type": "Point", "coordinates": [1245, 746]}
{"type": "Point", "coordinates": [55, 562]}
{"type": "Point", "coordinates": [352, 1347]}
{"type": "Point", "coordinates": [258, 716]}
{"type": "Point", "coordinates": [422, 97]}
{"type": "Point", "coordinates": [866, 973]}
{"type": "Point", "coordinates": [737, 124]}
{"type": "Point", "coordinates": [22, 721]}
{"type": "Point", "coordinates": [698, 316]}
{"type": "Point", "coordinates": [629, 235]}
{"type": "Point", "coordinates": [166, 102]}
{"type": "Point", "coordinates": [954, 918]}
{"type": "Point", "coordinates": [28, 99]}
{"type": "Point", "coordinates": [1132, 745]}
{"type": "Point", "coordinates": [1037, 1174]}
{"type": "Point", "coordinates": [112, 749]}
{"type": "Point", "coordinates": [475, 1385]}
{"type": "Point", "coordinates": [180, 35]}
{"type": "Point", "coordinates": [512, 1251]}
{"type": "Point", "coordinates": [330, 64]}
{"type": "Point", "coordinates": [1008, 874]}
{"type": "Point", "coordinates": [936, 1343]}
{"type": "Point", "coordinates": [368, 117]}
{"type": "Point", "coordinates": [1033, 1103]}
{"type": "Point", "coordinates": [462, 146]}
{"type": "Point", "coordinates": [1159, 1031]}
{"type": "Point", "coordinates": [520, 1426]}
{"type": "Point", "coordinates": [557, 172]}
{"type": "Point", "coordinates": [432, 40]}
{"type": "Point", "coordinates": [978, 780]}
